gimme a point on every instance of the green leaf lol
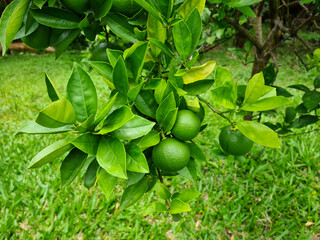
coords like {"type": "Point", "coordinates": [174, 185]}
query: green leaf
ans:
{"type": "Point", "coordinates": [149, 140]}
{"type": "Point", "coordinates": [100, 8]}
{"type": "Point", "coordinates": [162, 191]}
{"type": "Point", "coordinates": [135, 128]}
{"type": "Point", "coordinates": [106, 182]}
{"type": "Point", "coordinates": [195, 25]}
{"type": "Point", "coordinates": [187, 195]}
{"type": "Point", "coordinates": [134, 177]}
{"type": "Point", "coordinates": [134, 91]}
{"type": "Point", "coordinates": [87, 143]}
{"type": "Point", "coordinates": [111, 156]}
{"type": "Point", "coordinates": [311, 100]}
{"type": "Point", "coordinates": [68, 38]}
{"type": "Point", "coordinates": [50, 153]}
{"type": "Point", "coordinates": [51, 89]}
{"type": "Point", "coordinates": [149, 8]}
{"type": "Point", "coordinates": [247, 11]}
{"type": "Point", "coordinates": [35, 128]}
{"type": "Point", "coordinates": [120, 27]}
{"type": "Point", "coordinates": [304, 121]}
{"type": "Point", "coordinates": [255, 88]}
{"type": "Point", "coordinates": [82, 93]}
{"type": "Point", "coordinates": [189, 5]}
{"type": "Point", "coordinates": [269, 74]}
{"type": "Point", "coordinates": [113, 56]}
{"type": "Point", "coordinates": [146, 103]}
{"type": "Point", "coordinates": [259, 133]}
{"type": "Point", "coordinates": [57, 114]}
{"type": "Point", "coordinates": [178, 206]}
{"type": "Point", "coordinates": [11, 21]}
{"type": "Point", "coordinates": [196, 152]}
{"type": "Point", "coordinates": [155, 30]}
{"type": "Point", "coordinates": [154, 207]}
{"type": "Point", "coordinates": [71, 166]}
{"type": "Point", "coordinates": [39, 3]}
{"type": "Point", "coordinates": [136, 160]}
{"type": "Point", "coordinates": [267, 104]}
{"type": "Point", "coordinates": [198, 87]}
{"type": "Point", "coordinates": [137, 58]}
{"type": "Point", "coordinates": [300, 87]}
{"type": "Point", "coordinates": [169, 120]}
{"type": "Point", "coordinates": [223, 78]}
{"type": "Point", "coordinates": [290, 114]}
{"type": "Point", "coordinates": [167, 105]}
{"type": "Point", "coordinates": [103, 68]}
{"type": "Point", "coordinates": [158, 44]}
{"type": "Point", "coordinates": [134, 192]}
{"type": "Point", "coordinates": [86, 126]}
{"type": "Point", "coordinates": [116, 119]}
{"type": "Point", "coordinates": [56, 18]}
{"type": "Point", "coordinates": [224, 97]}
{"type": "Point", "coordinates": [182, 39]}
{"type": "Point", "coordinates": [105, 110]}
{"type": "Point", "coordinates": [91, 174]}
{"type": "Point", "coordinates": [190, 171]}
{"type": "Point", "coordinates": [120, 77]}
{"type": "Point", "coordinates": [195, 74]}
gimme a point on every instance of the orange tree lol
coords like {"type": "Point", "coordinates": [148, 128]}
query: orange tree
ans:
{"type": "Point", "coordinates": [141, 134]}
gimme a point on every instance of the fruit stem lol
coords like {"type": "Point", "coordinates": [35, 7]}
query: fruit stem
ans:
{"type": "Point", "coordinates": [159, 175]}
{"type": "Point", "coordinates": [214, 110]}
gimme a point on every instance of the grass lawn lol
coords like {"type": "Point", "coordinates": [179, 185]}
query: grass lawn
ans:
{"type": "Point", "coordinates": [271, 197]}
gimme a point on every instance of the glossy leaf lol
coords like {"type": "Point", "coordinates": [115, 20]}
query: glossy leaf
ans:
{"type": "Point", "coordinates": [119, 26]}
{"type": "Point", "coordinates": [198, 87]}
{"type": "Point", "coordinates": [50, 153]}
{"type": "Point", "coordinates": [91, 174]}
{"type": "Point", "coordinates": [196, 152]}
{"type": "Point", "coordinates": [259, 133]}
{"type": "Point", "coordinates": [255, 88]}
{"type": "Point", "coordinates": [86, 126]}
{"type": "Point", "coordinates": [195, 74]}
{"type": "Point", "coordinates": [223, 78]}
{"type": "Point", "coordinates": [182, 39]}
{"type": "Point", "coordinates": [103, 68]}
{"type": "Point", "coordinates": [107, 183]}
{"type": "Point", "coordinates": [146, 104]}
{"type": "Point", "coordinates": [113, 56]}
{"type": "Point", "coordinates": [134, 192]}
{"type": "Point", "coordinates": [311, 100]}
{"type": "Point", "coordinates": [68, 38]}
{"type": "Point", "coordinates": [35, 128]}
{"type": "Point", "coordinates": [300, 87]}
{"type": "Point", "coordinates": [156, 43]}
{"type": "Point", "coordinates": [11, 21]}
{"type": "Point", "coordinates": [57, 114]}
{"type": "Point", "coordinates": [165, 107]}
{"type": "Point", "coordinates": [189, 5]}
{"type": "Point", "coordinates": [195, 25]}
{"type": "Point", "coordinates": [53, 93]}
{"type": "Point", "coordinates": [105, 110]}
{"type": "Point", "coordinates": [82, 93]}
{"type": "Point", "coordinates": [135, 128]}
{"type": "Point", "coordinates": [154, 207]}
{"type": "Point", "coordinates": [120, 77]}
{"type": "Point", "coordinates": [169, 120]}
{"type": "Point", "coordinates": [71, 166]}
{"type": "Point", "coordinates": [100, 7]}
{"type": "Point", "coordinates": [56, 18]}
{"type": "Point", "coordinates": [116, 119]}
{"type": "Point", "coordinates": [149, 140]}
{"type": "Point", "coordinates": [136, 160]}
{"type": "Point", "coordinates": [224, 97]}
{"type": "Point", "coordinates": [162, 191]}
{"type": "Point", "coordinates": [190, 171]}
{"type": "Point", "coordinates": [267, 104]}
{"type": "Point", "coordinates": [111, 156]}
{"type": "Point", "coordinates": [134, 91]}
{"type": "Point", "coordinates": [187, 195]}
{"type": "Point", "coordinates": [247, 11]}
{"type": "Point", "coordinates": [149, 8]}
{"type": "Point", "coordinates": [304, 121]}
{"type": "Point", "coordinates": [156, 31]}
{"type": "Point", "coordinates": [178, 206]}
{"type": "Point", "coordinates": [134, 177]}
{"type": "Point", "coordinates": [87, 143]}
{"type": "Point", "coordinates": [290, 114]}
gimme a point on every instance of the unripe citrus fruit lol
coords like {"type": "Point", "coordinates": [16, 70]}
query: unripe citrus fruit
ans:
{"type": "Point", "coordinates": [76, 6]}
{"type": "Point", "coordinates": [126, 7]}
{"type": "Point", "coordinates": [39, 39]}
{"type": "Point", "coordinates": [171, 155]}
{"type": "Point", "coordinates": [187, 125]}
{"type": "Point", "coordinates": [234, 142]}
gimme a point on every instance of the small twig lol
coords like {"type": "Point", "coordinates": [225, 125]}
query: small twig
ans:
{"type": "Point", "coordinates": [213, 109]}
{"type": "Point", "coordinates": [160, 176]}
{"type": "Point", "coordinates": [296, 134]}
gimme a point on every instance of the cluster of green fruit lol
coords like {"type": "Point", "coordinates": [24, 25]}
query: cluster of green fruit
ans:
{"type": "Point", "coordinates": [173, 154]}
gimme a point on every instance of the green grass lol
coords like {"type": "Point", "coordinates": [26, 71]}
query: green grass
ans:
{"type": "Point", "coordinates": [271, 197]}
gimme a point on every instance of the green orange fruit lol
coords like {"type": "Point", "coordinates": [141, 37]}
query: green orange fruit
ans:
{"type": "Point", "coordinates": [234, 142]}
{"type": "Point", "coordinates": [126, 7]}
{"type": "Point", "coordinates": [171, 155]}
{"type": "Point", "coordinates": [39, 39]}
{"type": "Point", "coordinates": [76, 6]}
{"type": "Point", "coordinates": [187, 125]}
